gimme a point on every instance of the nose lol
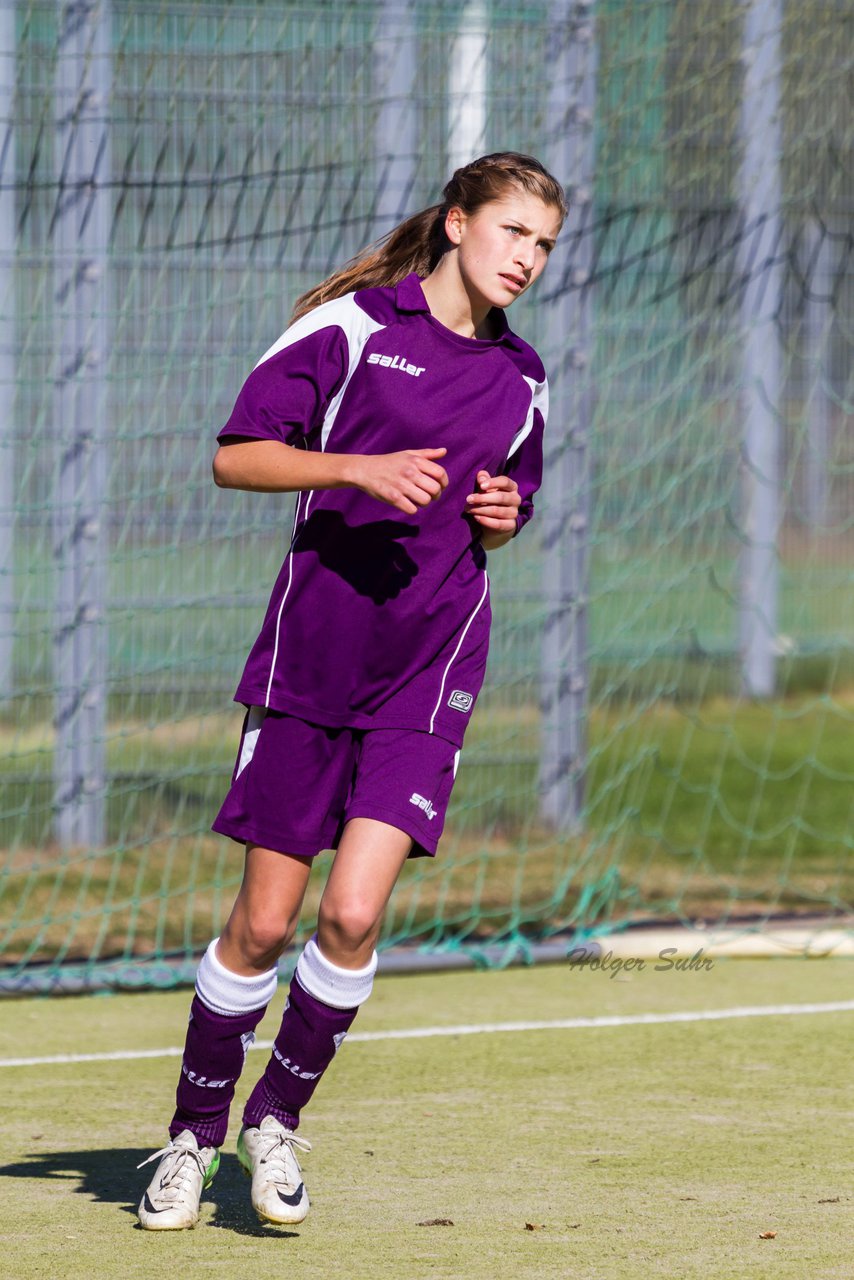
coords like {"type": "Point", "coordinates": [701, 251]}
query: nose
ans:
{"type": "Point", "coordinates": [525, 256]}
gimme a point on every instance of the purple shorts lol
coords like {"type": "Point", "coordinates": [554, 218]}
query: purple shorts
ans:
{"type": "Point", "coordinates": [296, 784]}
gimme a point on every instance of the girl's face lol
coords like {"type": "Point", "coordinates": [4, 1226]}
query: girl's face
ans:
{"type": "Point", "coordinates": [503, 246]}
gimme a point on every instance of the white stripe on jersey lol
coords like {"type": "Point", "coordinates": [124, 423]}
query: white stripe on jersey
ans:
{"type": "Point", "coordinates": [539, 400]}
{"type": "Point", "coordinates": [340, 313]}
{"type": "Point", "coordinates": [357, 325]}
{"type": "Point", "coordinates": [472, 617]}
{"type": "Point", "coordinates": [359, 328]}
{"type": "Point", "coordinates": [250, 737]}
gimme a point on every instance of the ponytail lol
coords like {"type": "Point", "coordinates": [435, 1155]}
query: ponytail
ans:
{"type": "Point", "coordinates": [418, 243]}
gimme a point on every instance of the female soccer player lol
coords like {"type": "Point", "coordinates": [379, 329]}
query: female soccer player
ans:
{"type": "Point", "coordinates": [409, 418]}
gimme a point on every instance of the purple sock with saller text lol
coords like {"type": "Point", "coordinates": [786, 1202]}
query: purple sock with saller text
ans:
{"type": "Point", "coordinates": [308, 1040]}
{"type": "Point", "coordinates": [214, 1053]}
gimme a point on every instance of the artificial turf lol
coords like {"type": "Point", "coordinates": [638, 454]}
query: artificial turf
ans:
{"type": "Point", "coordinates": [627, 1151]}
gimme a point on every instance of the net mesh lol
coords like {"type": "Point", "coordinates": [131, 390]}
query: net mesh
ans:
{"type": "Point", "coordinates": [172, 177]}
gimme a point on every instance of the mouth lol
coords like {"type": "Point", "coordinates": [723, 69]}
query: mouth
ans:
{"type": "Point", "coordinates": [514, 282]}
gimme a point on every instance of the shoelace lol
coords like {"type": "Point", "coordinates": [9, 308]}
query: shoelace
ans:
{"type": "Point", "coordinates": [281, 1145]}
{"type": "Point", "coordinates": [177, 1175]}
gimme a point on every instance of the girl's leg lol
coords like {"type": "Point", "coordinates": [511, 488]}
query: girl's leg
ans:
{"type": "Point", "coordinates": [266, 910]}
{"type": "Point", "coordinates": [335, 972]}
{"type": "Point", "coordinates": [366, 867]}
{"type": "Point", "coordinates": [235, 982]}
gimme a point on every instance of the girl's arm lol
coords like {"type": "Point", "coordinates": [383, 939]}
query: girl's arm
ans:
{"type": "Point", "coordinates": [406, 480]}
{"type": "Point", "coordinates": [492, 541]}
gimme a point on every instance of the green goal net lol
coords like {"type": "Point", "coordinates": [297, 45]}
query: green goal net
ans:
{"type": "Point", "coordinates": [666, 729]}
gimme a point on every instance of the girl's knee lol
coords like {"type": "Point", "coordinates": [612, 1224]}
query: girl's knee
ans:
{"type": "Point", "coordinates": [259, 941]}
{"type": "Point", "coordinates": [347, 928]}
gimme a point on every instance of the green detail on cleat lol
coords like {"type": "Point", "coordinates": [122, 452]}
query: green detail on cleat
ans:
{"type": "Point", "coordinates": [211, 1173]}
{"type": "Point", "coordinates": [243, 1156]}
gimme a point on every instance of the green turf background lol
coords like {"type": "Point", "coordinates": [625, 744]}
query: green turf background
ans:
{"type": "Point", "coordinates": [721, 811]}
{"type": "Point", "coordinates": [640, 1151]}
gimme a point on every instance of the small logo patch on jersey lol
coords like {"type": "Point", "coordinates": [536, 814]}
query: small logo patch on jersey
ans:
{"type": "Point", "coordinates": [460, 701]}
{"type": "Point", "coordinates": [421, 803]}
{"type": "Point", "coordinates": [396, 362]}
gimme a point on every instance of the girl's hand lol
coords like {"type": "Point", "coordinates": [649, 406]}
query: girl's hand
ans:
{"type": "Point", "coordinates": [496, 506]}
{"type": "Point", "coordinates": [406, 480]}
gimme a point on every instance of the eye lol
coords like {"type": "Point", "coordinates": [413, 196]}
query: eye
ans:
{"type": "Point", "coordinates": [516, 230]}
{"type": "Point", "coordinates": [547, 245]}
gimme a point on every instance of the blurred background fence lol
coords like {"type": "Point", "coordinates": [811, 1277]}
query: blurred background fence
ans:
{"type": "Point", "coordinates": [667, 729]}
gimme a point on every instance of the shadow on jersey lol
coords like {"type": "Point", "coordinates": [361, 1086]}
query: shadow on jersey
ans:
{"type": "Point", "coordinates": [369, 557]}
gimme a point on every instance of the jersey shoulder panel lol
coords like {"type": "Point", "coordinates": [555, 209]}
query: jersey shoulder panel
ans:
{"type": "Point", "coordinates": [344, 314]}
{"type": "Point", "coordinates": [295, 389]}
{"type": "Point", "coordinates": [531, 370]}
{"type": "Point", "coordinates": [526, 360]}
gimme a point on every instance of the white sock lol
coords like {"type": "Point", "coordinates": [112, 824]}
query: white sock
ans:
{"type": "Point", "coordinates": [229, 993]}
{"type": "Point", "coordinates": [337, 987]}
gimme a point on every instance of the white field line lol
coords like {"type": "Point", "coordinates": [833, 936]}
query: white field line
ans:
{"type": "Point", "coordinates": [487, 1028]}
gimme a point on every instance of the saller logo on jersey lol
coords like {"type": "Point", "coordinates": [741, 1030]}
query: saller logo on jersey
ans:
{"type": "Point", "coordinates": [460, 701]}
{"type": "Point", "coordinates": [396, 362]}
{"type": "Point", "coordinates": [424, 804]}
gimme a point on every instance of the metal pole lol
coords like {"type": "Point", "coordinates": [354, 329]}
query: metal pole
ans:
{"type": "Point", "coordinates": [80, 230]}
{"type": "Point", "coordinates": [396, 76]}
{"type": "Point", "coordinates": [819, 323]}
{"type": "Point", "coordinates": [468, 86]}
{"type": "Point", "coordinates": [7, 343]}
{"type": "Point", "coordinates": [566, 488]}
{"type": "Point", "coordinates": [761, 272]}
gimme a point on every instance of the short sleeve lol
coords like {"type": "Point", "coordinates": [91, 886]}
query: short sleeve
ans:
{"type": "Point", "coordinates": [525, 464]}
{"type": "Point", "coordinates": [286, 396]}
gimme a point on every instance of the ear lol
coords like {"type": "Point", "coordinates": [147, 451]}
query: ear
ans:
{"type": "Point", "coordinates": [454, 223]}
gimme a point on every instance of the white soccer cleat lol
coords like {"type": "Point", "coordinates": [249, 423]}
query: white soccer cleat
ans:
{"type": "Point", "coordinates": [267, 1155]}
{"type": "Point", "coordinates": [171, 1202]}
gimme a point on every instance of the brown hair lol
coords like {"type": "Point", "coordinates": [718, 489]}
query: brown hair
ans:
{"type": "Point", "coordinates": [417, 243]}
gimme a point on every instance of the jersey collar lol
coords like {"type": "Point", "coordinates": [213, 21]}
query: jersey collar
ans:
{"type": "Point", "coordinates": [409, 298]}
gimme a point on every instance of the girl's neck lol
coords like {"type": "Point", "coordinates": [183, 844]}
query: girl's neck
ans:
{"type": "Point", "coordinates": [450, 303]}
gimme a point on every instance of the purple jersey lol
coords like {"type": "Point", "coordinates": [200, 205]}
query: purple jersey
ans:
{"type": "Point", "coordinates": [380, 619]}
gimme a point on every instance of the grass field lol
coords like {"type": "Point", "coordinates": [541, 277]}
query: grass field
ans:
{"type": "Point", "coordinates": [623, 1152]}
